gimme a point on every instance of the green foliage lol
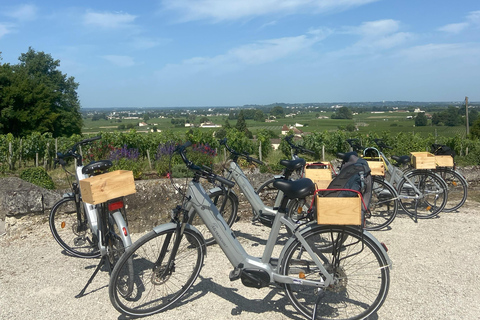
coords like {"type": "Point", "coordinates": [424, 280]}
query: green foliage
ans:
{"type": "Point", "coordinates": [36, 97]}
{"type": "Point", "coordinates": [277, 112]}
{"type": "Point", "coordinates": [239, 141]}
{"type": "Point", "coordinates": [421, 119]}
{"type": "Point", "coordinates": [343, 113]}
{"type": "Point", "coordinates": [263, 137]}
{"type": "Point", "coordinates": [450, 117]}
{"type": "Point", "coordinates": [38, 176]}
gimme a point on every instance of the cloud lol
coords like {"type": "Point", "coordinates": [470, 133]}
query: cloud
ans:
{"type": "Point", "coordinates": [4, 29]}
{"type": "Point", "coordinates": [374, 36]}
{"type": "Point", "coordinates": [23, 12]}
{"type": "Point", "coordinates": [220, 10]}
{"type": "Point", "coordinates": [472, 19]}
{"type": "Point", "coordinates": [142, 43]}
{"type": "Point", "coordinates": [108, 20]}
{"type": "Point", "coordinates": [120, 61]}
{"type": "Point", "coordinates": [434, 51]}
{"type": "Point", "coordinates": [257, 53]}
{"type": "Point", "coordinates": [454, 27]}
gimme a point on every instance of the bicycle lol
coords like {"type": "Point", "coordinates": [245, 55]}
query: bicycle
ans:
{"type": "Point", "coordinates": [85, 230]}
{"type": "Point", "coordinates": [422, 193]}
{"type": "Point", "coordinates": [456, 182]}
{"type": "Point", "coordinates": [294, 169]}
{"type": "Point", "coordinates": [384, 202]}
{"type": "Point", "coordinates": [324, 269]}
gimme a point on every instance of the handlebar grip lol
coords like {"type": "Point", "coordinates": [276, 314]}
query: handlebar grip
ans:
{"type": "Point", "coordinates": [256, 161]}
{"type": "Point", "coordinates": [90, 140]}
{"type": "Point", "coordinates": [224, 181]}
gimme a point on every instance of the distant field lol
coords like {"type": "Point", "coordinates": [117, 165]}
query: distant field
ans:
{"type": "Point", "coordinates": [366, 123]}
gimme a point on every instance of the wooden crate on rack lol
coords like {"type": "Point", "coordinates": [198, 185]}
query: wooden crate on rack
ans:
{"type": "Point", "coordinates": [320, 173]}
{"type": "Point", "coordinates": [339, 210]}
{"type": "Point", "coordinates": [377, 168]}
{"type": "Point", "coordinates": [103, 187]}
{"type": "Point", "coordinates": [423, 160]}
{"type": "Point", "coordinates": [444, 161]}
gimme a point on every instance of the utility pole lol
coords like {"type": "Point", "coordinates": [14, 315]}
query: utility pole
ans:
{"type": "Point", "coordinates": [466, 115]}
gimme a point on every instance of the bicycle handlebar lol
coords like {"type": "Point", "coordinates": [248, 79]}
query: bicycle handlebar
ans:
{"type": "Point", "coordinates": [238, 154]}
{"type": "Point", "coordinates": [202, 172]}
{"type": "Point", "coordinates": [72, 152]}
{"type": "Point", "coordinates": [297, 148]}
{"type": "Point", "coordinates": [381, 144]}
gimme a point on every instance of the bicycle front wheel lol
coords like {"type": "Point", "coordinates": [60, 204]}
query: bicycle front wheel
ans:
{"type": "Point", "coordinates": [383, 206]}
{"type": "Point", "coordinates": [157, 284]}
{"type": "Point", "coordinates": [423, 194]}
{"type": "Point", "coordinates": [360, 270]}
{"type": "Point", "coordinates": [72, 234]}
{"type": "Point", "coordinates": [457, 188]}
{"type": "Point", "coordinates": [227, 205]}
{"type": "Point", "coordinates": [267, 193]}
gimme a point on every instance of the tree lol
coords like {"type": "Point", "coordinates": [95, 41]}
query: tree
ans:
{"type": "Point", "coordinates": [277, 112]}
{"type": "Point", "coordinates": [420, 120]}
{"type": "Point", "coordinates": [259, 116]}
{"type": "Point", "coordinates": [475, 129]}
{"type": "Point", "coordinates": [36, 97]}
{"type": "Point", "coordinates": [343, 113]}
{"type": "Point", "coordinates": [241, 124]}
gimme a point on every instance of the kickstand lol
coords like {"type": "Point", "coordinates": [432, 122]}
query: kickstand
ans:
{"type": "Point", "coordinates": [100, 264]}
{"type": "Point", "coordinates": [320, 295]}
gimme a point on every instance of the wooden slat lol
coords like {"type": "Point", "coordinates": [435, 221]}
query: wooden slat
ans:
{"type": "Point", "coordinates": [111, 185]}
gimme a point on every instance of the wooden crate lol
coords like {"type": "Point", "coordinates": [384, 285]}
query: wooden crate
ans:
{"type": "Point", "coordinates": [423, 160]}
{"type": "Point", "coordinates": [339, 210]}
{"type": "Point", "coordinates": [377, 168]}
{"type": "Point", "coordinates": [320, 176]}
{"type": "Point", "coordinates": [111, 185]}
{"type": "Point", "coordinates": [444, 161]}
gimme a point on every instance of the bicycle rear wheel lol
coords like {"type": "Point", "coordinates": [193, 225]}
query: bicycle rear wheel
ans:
{"type": "Point", "coordinates": [457, 188]}
{"type": "Point", "coordinates": [383, 206]}
{"type": "Point", "coordinates": [423, 194]}
{"type": "Point", "coordinates": [360, 270]}
{"type": "Point", "coordinates": [156, 283]}
{"type": "Point", "coordinates": [72, 234]}
{"type": "Point", "coordinates": [226, 203]}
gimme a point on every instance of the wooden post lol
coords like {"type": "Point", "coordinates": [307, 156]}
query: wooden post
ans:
{"type": "Point", "coordinates": [36, 159]}
{"type": "Point", "coordinates": [20, 154]}
{"type": "Point", "coordinates": [260, 150]}
{"type": "Point", "coordinates": [10, 164]}
{"type": "Point", "coordinates": [323, 152]}
{"type": "Point", "coordinates": [466, 116]}
{"type": "Point", "coordinates": [224, 154]}
{"type": "Point", "coordinates": [148, 157]}
{"type": "Point", "coordinates": [45, 157]}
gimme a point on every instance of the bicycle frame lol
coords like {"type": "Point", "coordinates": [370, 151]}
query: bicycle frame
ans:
{"type": "Point", "coordinates": [234, 251]}
{"type": "Point", "coordinates": [236, 173]}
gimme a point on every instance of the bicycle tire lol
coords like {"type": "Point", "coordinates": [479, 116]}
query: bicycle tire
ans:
{"type": "Point", "coordinates": [116, 248]}
{"type": "Point", "coordinates": [362, 275]}
{"type": "Point", "coordinates": [383, 206]}
{"type": "Point", "coordinates": [267, 193]}
{"type": "Point", "coordinates": [155, 287]}
{"type": "Point", "coordinates": [457, 188]}
{"type": "Point", "coordinates": [432, 198]}
{"type": "Point", "coordinates": [64, 225]}
{"type": "Point", "coordinates": [229, 213]}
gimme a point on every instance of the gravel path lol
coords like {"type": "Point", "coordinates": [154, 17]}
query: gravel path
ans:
{"type": "Point", "coordinates": [436, 275]}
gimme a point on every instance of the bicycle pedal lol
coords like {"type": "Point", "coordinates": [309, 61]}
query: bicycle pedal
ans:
{"type": "Point", "coordinates": [236, 273]}
{"type": "Point", "coordinates": [79, 241]}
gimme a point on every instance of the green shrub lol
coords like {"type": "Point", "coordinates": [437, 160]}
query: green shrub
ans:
{"type": "Point", "coordinates": [38, 176]}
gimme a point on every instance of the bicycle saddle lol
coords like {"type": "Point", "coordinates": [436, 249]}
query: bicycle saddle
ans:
{"type": "Point", "coordinates": [96, 166]}
{"type": "Point", "coordinates": [346, 156]}
{"type": "Point", "coordinates": [295, 189]}
{"type": "Point", "coordinates": [401, 159]}
{"type": "Point", "coordinates": [293, 164]}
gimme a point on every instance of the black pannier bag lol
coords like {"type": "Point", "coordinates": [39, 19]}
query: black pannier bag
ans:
{"type": "Point", "coordinates": [355, 175]}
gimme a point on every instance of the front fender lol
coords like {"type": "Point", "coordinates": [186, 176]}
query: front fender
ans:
{"type": "Point", "coordinates": [311, 227]}
{"type": "Point", "coordinates": [171, 225]}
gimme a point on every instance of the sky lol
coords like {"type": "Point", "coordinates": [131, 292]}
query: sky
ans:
{"type": "Point", "coordinates": [184, 53]}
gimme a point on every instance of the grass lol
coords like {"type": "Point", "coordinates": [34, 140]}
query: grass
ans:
{"type": "Point", "coordinates": [366, 122]}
